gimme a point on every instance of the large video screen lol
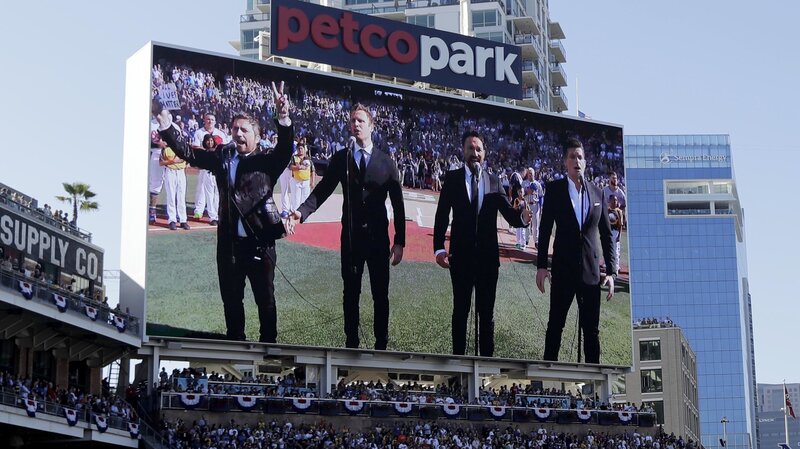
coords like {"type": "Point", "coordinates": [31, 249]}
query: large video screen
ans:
{"type": "Point", "coordinates": [196, 237]}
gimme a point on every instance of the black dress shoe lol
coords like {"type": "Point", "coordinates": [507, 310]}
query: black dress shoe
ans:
{"type": "Point", "coordinates": [172, 226]}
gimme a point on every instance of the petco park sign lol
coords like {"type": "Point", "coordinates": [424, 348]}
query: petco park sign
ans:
{"type": "Point", "coordinates": [361, 42]}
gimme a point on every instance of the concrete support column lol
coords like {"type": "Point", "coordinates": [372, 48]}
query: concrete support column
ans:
{"type": "Point", "coordinates": [153, 362]}
{"type": "Point", "coordinates": [96, 380]}
{"type": "Point", "coordinates": [62, 372]}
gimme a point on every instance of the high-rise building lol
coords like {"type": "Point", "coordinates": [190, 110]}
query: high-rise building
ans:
{"type": "Point", "coordinates": [771, 423]}
{"type": "Point", "coordinates": [525, 23]}
{"type": "Point", "coordinates": [688, 264]}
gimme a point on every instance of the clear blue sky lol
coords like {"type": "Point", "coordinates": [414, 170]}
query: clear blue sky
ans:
{"type": "Point", "coordinates": [674, 67]}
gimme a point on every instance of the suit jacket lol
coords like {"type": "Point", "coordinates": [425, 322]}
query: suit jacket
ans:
{"type": "Point", "coordinates": [368, 200]}
{"type": "Point", "coordinates": [576, 252]}
{"type": "Point", "coordinates": [256, 176]}
{"type": "Point", "coordinates": [464, 243]}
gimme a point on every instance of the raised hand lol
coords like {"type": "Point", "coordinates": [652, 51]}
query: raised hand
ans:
{"type": "Point", "coordinates": [282, 104]}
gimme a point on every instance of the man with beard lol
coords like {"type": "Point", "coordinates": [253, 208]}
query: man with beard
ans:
{"type": "Point", "coordinates": [475, 197]}
{"type": "Point", "coordinates": [246, 233]}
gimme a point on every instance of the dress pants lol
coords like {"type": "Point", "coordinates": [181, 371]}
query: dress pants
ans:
{"type": "Point", "coordinates": [467, 275]}
{"type": "Point", "coordinates": [562, 293]}
{"type": "Point", "coordinates": [375, 253]}
{"type": "Point", "coordinates": [247, 259]}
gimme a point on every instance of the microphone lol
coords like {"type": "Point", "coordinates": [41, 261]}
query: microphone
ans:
{"type": "Point", "coordinates": [352, 145]}
{"type": "Point", "coordinates": [475, 167]}
{"type": "Point", "coordinates": [230, 146]}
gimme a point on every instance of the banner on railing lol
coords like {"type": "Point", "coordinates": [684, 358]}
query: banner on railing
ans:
{"type": "Point", "coordinates": [133, 428]}
{"type": "Point", "coordinates": [60, 302]}
{"type": "Point", "coordinates": [101, 422]}
{"type": "Point", "coordinates": [72, 416]}
{"type": "Point", "coordinates": [584, 416]}
{"type": "Point", "coordinates": [403, 408]}
{"type": "Point", "coordinates": [246, 403]}
{"type": "Point", "coordinates": [624, 417]}
{"type": "Point", "coordinates": [190, 400]}
{"type": "Point", "coordinates": [497, 412]}
{"type": "Point", "coordinates": [542, 414]}
{"type": "Point", "coordinates": [91, 312]}
{"type": "Point", "coordinates": [26, 289]}
{"type": "Point", "coordinates": [301, 405]}
{"type": "Point", "coordinates": [451, 410]}
{"type": "Point", "coordinates": [119, 323]}
{"type": "Point", "coordinates": [354, 407]}
{"type": "Point", "coordinates": [30, 407]}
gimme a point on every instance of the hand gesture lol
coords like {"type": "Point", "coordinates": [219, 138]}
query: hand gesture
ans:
{"type": "Point", "coordinates": [443, 259]}
{"type": "Point", "coordinates": [164, 119]}
{"type": "Point", "coordinates": [609, 280]}
{"type": "Point", "coordinates": [396, 254]}
{"type": "Point", "coordinates": [541, 275]}
{"type": "Point", "coordinates": [527, 215]}
{"type": "Point", "coordinates": [292, 221]}
{"type": "Point", "coordinates": [281, 104]}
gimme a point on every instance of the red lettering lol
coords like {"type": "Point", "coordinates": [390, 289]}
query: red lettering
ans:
{"type": "Point", "coordinates": [285, 33]}
{"type": "Point", "coordinates": [366, 40]}
{"type": "Point", "coordinates": [349, 27]}
{"type": "Point", "coordinates": [396, 53]}
{"type": "Point", "coordinates": [324, 31]}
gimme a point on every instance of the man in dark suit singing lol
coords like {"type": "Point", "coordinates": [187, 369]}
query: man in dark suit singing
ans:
{"type": "Point", "coordinates": [577, 209]}
{"type": "Point", "coordinates": [475, 197]}
{"type": "Point", "coordinates": [367, 176]}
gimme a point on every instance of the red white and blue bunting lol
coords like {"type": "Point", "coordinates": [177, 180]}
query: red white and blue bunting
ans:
{"type": "Point", "coordinates": [584, 415]}
{"type": "Point", "coordinates": [26, 289]}
{"type": "Point", "coordinates": [60, 302]}
{"type": "Point", "coordinates": [101, 422]}
{"type": "Point", "coordinates": [246, 403]}
{"type": "Point", "coordinates": [403, 408]}
{"type": "Point", "coordinates": [190, 400]}
{"type": "Point", "coordinates": [542, 414]}
{"type": "Point", "coordinates": [625, 417]}
{"type": "Point", "coordinates": [301, 404]}
{"type": "Point", "coordinates": [451, 410]}
{"type": "Point", "coordinates": [354, 407]}
{"type": "Point", "coordinates": [133, 429]}
{"type": "Point", "coordinates": [72, 416]}
{"type": "Point", "coordinates": [30, 407]}
{"type": "Point", "coordinates": [497, 412]}
{"type": "Point", "coordinates": [91, 312]}
{"type": "Point", "coordinates": [119, 323]}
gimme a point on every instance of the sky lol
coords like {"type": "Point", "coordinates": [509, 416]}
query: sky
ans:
{"type": "Point", "coordinates": [677, 67]}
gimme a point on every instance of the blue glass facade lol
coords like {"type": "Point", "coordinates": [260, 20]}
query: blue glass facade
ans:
{"type": "Point", "coordinates": [692, 269]}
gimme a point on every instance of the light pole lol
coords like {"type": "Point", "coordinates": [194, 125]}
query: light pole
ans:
{"type": "Point", "coordinates": [724, 422]}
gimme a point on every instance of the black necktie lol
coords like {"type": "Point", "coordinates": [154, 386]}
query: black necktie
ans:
{"type": "Point", "coordinates": [475, 196]}
{"type": "Point", "coordinates": [362, 165]}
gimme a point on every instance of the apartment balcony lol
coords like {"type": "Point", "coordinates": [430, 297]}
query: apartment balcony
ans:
{"type": "Point", "coordinates": [558, 99]}
{"type": "Point", "coordinates": [530, 98]}
{"type": "Point", "coordinates": [529, 45]}
{"type": "Point", "coordinates": [250, 18]}
{"type": "Point", "coordinates": [557, 75]}
{"type": "Point", "coordinates": [530, 73]}
{"type": "Point", "coordinates": [557, 51]}
{"type": "Point", "coordinates": [555, 31]}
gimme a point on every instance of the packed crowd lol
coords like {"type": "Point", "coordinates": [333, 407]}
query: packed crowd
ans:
{"type": "Point", "coordinates": [58, 218]}
{"type": "Point", "coordinates": [73, 397]}
{"type": "Point", "coordinates": [653, 322]}
{"type": "Point", "coordinates": [423, 141]}
{"type": "Point", "coordinates": [423, 434]}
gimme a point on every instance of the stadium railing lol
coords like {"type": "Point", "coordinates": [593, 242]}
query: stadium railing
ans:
{"type": "Point", "coordinates": [43, 217]}
{"type": "Point", "coordinates": [75, 304]}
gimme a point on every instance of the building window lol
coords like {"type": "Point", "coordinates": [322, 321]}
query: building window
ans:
{"type": "Point", "coordinates": [248, 39]}
{"type": "Point", "coordinates": [651, 381]}
{"type": "Point", "coordinates": [425, 20]}
{"type": "Point", "coordinates": [658, 406]}
{"type": "Point", "coordinates": [650, 350]}
{"type": "Point", "coordinates": [496, 36]}
{"type": "Point", "coordinates": [485, 18]}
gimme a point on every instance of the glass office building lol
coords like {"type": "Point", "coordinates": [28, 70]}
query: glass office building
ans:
{"type": "Point", "coordinates": [689, 265]}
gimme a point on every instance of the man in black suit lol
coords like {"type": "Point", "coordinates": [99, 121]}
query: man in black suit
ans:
{"type": "Point", "coordinates": [367, 176]}
{"type": "Point", "coordinates": [582, 234]}
{"type": "Point", "coordinates": [475, 197]}
{"type": "Point", "coordinates": [249, 222]}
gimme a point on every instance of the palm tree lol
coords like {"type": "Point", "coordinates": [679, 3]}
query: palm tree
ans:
{"type": "Point", "coordinates": [79, 196]}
